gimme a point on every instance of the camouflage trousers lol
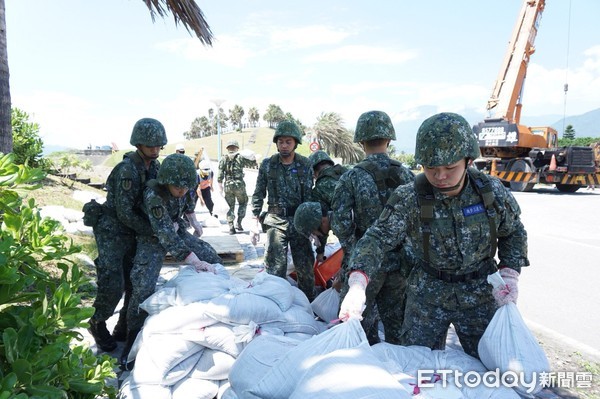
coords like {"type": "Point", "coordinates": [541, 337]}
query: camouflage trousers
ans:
{"type": "Point", "coordinates": [148, 262]}
{"type": "Point", "coordinates": [280, 234]}
{"type": "Point", "coordinates": [432, 305]}
{"type": "Point", "coordinates": [235, 192]}
{"type": "Point", "coordinates": [385, 301]}
{"type": "Point", "coordinates": [116, 251]}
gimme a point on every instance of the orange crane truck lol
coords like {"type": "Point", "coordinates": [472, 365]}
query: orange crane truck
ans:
{"type": "Point", "coordinates": [520, 155]}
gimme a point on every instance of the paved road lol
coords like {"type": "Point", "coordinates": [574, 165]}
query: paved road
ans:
{"type": "Point", "coordinates": [561, 290]}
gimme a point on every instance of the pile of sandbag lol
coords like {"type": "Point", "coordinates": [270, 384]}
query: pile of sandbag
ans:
{"type": "Point", "coordinates": [198, 325]}
{"type": "Point", "coordinates": [339, 363]}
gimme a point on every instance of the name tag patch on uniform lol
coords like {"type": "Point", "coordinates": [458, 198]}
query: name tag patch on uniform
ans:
{"type": "Point", "coordinates": [473, 210]}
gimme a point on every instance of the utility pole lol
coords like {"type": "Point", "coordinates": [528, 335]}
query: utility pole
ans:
{"type": "Point", "coordinates": [218, 102]}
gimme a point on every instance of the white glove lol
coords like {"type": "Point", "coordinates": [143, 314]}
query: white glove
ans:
{"type": "Point", "coordinates": [176, 226]}
{"type": "Point", "coordinates": [199, 265]}
{"type": "Point", "coordinates": [510, 291]}
{"type": "Point", "coordinates": [354, 301]}
{"type": "Point", "coordinates": [191, 217]}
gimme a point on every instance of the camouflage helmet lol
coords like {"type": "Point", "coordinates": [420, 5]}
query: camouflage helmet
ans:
{"type": "Point", "coordinates": [179, 171]}
{"type": "Point", "coordinates": [307, 218]}
{"type": "Point", "coordinates": [444, 139]}
{"type": "Point", "coordinates": [289, 129]}
{"type": "Point", "coordinates": [232, 143]}
{"type": "Point", "coordinates": [148, 132]}
{"type": "Point", "coordinates": [374, 125]}
{"type": "Point", "coordinates": [319, 156]}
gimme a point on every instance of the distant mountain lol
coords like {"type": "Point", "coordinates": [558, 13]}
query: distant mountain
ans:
{"type": "Point", "coordinates": [585, 125]}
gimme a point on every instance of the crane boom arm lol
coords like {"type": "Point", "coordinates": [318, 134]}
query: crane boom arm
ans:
{"type": "Point", "coordinates": [505, 101]}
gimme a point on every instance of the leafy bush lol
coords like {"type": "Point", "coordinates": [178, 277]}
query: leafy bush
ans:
{"type": "Point", "coordinates": [40, 355]}
{"type": "Point", "coordinates": [27, 144]}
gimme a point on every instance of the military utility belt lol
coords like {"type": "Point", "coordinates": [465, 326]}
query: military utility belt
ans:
{"type": "Point", "coordinates": [449, 277]}
{"type": "Point", "coordinates": [282, 210]}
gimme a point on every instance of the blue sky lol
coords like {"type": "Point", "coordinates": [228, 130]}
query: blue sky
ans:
{"type": "Point", "coordinates": [87, 70]}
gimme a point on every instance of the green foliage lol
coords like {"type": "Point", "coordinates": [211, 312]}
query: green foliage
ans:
{"type": "Point", "coordinates": [39, 314]}
{"type": "Point", "coordinates": [27, 144]}
{"type": "Point", "coordinates": [68, 163]}
{"type": "Point", "coordinates": [579, 141]}
{"type": "Point", "coordinates": [407, 160]}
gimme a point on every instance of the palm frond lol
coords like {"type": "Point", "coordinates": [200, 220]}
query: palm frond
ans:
{"type": "Point", "coordinates": [185, 11]}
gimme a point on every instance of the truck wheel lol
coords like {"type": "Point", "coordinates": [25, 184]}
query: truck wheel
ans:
{"type": "Point", "coordinates": [521, 165]}
{"type": "Point", "coordinates": [567, 188]}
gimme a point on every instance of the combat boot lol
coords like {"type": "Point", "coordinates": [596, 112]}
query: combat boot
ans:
{"type": "Point", "coordinates": [124, 363]}
{"type": "Point", "coordinates": [239, 226]}
{"type": "Point", "coordinates": [120, 331]}
{"type": "Point", "coordinates": [104, 340]}
{"type": "Point", "coordinates": [231, 229]}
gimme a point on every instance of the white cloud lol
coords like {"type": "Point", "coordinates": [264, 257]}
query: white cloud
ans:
{"type": "Point", "coordinates": [226, 50]}
{"type": "Point", "coordinates": [308, 36]}
{"type": "Point", "coordinates": [362, 54]}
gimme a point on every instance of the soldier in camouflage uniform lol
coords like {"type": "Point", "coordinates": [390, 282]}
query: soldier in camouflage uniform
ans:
{"type": "Point", "coordinates": [231, 170]}
{"type": "Point", "coordinates": [358, 200]}
{"type": "Point", "coordinates": [165, 202]}
{"type": "Point", "coordinates": [115, 231]}
{"type": "Point", "coordinates": [452, 220]}
{"type": "Point", "coordinates": [286, 180]}
{"type": "Point", "coordinates": [326, 174]}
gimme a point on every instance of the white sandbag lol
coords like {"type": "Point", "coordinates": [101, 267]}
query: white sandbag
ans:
{"type": "Point", "coordinates": [159, 354]}
{"type": "Point", "coordinates": [160, 300]}
{"type": "Point", "coordinates": [225, 391]}
{"type": "Point", "coordinates": [218, 336]}
{"type": "Point", "coordinates": [508, 345]}
{"type": "Point", "coordinates": [256, 360]}
{"type": "Point", "coordinates": [406, 359]}
{"type": "Point", "coordinates": [212, 365]}
{"type": "Point", "coordinates": [299, 336]}
{"type": "Point", "coordinates": [182, 369]}
{"type": "Point", "coordinates": [269, 286]}
{"type": "Point", "coordinates": [352, 373]}
{"type": "Point", "coordinates": [243, 308]}
{"type": "Point", "coordinates": [191, 388]}
{"type": "Point", "coordinates": [327, 305]}
{"type": "Point", "coordinates": [297, 320]}
{"type": "Point", "coordinates": [143, 391]}
{"type": "Point", "coordinates": [192, 286]}
{"type": "Point", "coordinates": [281, 379]}
{"type": "Point", "coordinates": [459, 361]}
{"type": "Point", "coordinates": [177, 318]}
{"type": "Point", "coordinates": [248, 154]}
{"type": "Point", "coordinates": [300, 299]}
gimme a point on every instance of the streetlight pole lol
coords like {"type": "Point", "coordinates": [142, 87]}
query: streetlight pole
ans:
{"type": "Point", "coordinates": [218, 102]}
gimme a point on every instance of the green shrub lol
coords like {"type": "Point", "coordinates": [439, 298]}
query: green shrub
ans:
{"type": "Point", "coordinates": [40, 354]}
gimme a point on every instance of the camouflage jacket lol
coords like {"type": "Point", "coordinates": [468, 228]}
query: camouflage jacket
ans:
{"type": "Point", "coordinates": [285, 186]}
{"type": "Point", "coordinates": [231, 169]}
{"type": "Point", "coordinates": [125, 186]}
{"type": "Point", "coordinates": [356, 201]}
{"type": "Point", "coordinates": [460, 232]}
{"type": "Point", "coordinates": [325, 185]}
{"type": "Point", "coordinates": [163, 211]}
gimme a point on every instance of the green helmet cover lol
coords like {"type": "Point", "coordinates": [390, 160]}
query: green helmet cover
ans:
{"type": "Point", "coordinates": [148, 132]}
{"type": "Point", "coordinates": [179, 171]}
{"type": "Point", "coordinates": [307, 218]}
{"type": "Point", "coordinates": [444, 139]}
{"type": "Point", "coordinates": [374, 125]}
{"type": "Point", "coordinates": [289, 129]}
{"type": "Point", "coordinates": [232, 143]}
{"type": "Point", "coordinates": [319, 156]}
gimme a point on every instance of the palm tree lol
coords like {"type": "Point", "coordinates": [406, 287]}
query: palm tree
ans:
{"type": "Point", "coordinates": [335, 139]}
{"type": "Point", "coordinates": [185, 12]}
{"type": "Point", "coordinates": [253, 116]}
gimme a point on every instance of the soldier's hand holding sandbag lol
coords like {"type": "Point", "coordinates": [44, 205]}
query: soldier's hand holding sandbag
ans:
{"type": "Point", "coordinates": [199, 265]}
{"type": "Point", "coordinates": [510, 291]}
{"type": "Point", "coordinates": [354, 301]}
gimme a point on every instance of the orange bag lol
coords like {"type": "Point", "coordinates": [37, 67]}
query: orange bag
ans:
{"type": "Point", "coordinates": [325, 271]}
